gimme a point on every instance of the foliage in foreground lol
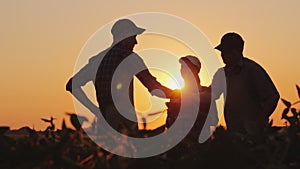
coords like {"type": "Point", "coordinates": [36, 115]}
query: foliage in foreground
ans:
{"type": "Point", "coordinates": [277, 148]}
{"type": "Point", "coordinates": [71, 149]}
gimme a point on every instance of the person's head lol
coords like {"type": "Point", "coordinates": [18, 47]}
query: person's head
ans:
{"type": "Point", "coordinates": [190, 67]}
{"type": "Point", "coordinates": [129, 42]}
{"type": "Point", "coordinates": [231, 48]}
{"type": "Point", "coordinates": [124, 31]}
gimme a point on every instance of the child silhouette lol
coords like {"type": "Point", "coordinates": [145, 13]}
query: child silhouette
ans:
{"type": "Point", "coordinates": [190, 69]}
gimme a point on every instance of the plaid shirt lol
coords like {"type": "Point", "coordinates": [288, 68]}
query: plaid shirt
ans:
{"type": "Point", "coordinates": [114, 78]}
{"type": "Point", "coordinates": [87, 73]}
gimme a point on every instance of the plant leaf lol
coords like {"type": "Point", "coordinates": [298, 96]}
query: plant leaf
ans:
{"type": "Point", "coordinates": [286, 103]}
{"type": "Point", "coordinates": [298, 90]}
{"type": "Point", "coordinates": [284, 113]}
{"type": "Point", "coordinates": [294, 111]}
{"type": "Point", "coordinates": [271, 123]}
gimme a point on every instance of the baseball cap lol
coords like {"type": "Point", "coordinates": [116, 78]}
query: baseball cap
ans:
{"type": "Point", "coordinates": [230, 41]}
{"type": "Point", "coordinates": [125, 28]}
{"type": "Point", "coordinates": [191, 61]}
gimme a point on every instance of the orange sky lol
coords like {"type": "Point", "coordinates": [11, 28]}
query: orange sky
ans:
{"type": "Point", "coordinates": [40, 42]}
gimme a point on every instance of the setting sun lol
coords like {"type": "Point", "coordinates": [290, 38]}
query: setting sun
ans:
{"type": "Point", "coordinates": [48, 45]}
{"type": "Point", "coordinates": [64, 32]}
{"type": "Point", "coordinates": [173, 82]}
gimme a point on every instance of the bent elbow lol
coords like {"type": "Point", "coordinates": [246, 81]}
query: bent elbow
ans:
{"type": "Point", "coordinates": [69, 85]}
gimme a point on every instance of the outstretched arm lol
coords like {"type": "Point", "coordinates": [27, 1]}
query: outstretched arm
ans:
{"type": "Point", "coordinates": [149, 81]}
{"type": "Point", "coordinates": [153, 86]}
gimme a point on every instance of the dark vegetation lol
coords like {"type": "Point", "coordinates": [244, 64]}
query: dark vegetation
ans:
{"type": "Point", "coordinates": [278, 148]}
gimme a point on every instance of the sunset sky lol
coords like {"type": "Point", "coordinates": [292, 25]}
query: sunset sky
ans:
{"type": "Point", "coordinates": [41, 41]}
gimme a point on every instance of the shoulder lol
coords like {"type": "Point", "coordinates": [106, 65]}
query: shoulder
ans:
{"type": "Point", "coordinates": [220, 72]}
{"type": "Point", "coordinates": [136, 59]}
{"type": "Point", "coordinates": [135, 56]}
{"type": "Point", "coordinates": [221, 69]}
{"type": "Point", "coordinates": [97, 58]}
{"type": "Point", "coordinates": [219, 75]}
{"type": "Point", "coordinates": [251, 65]}
{"type": "Point", "coordinates": [255, 70]}
{"type": "Point", "coordinates": [257, 74]}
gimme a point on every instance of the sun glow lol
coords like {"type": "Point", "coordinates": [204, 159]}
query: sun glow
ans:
{"type": "Point", "coordinates": [175, 82]}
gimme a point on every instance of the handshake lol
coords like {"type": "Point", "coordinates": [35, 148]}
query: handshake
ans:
{"type": "Point", "coordinates": [175, 94]}
{"type": "Point", "coordinates": [166, 93]}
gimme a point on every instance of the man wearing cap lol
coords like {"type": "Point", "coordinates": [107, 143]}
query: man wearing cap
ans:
{"type": "Point", "coordinates": [112, 73]}
{"type": "Point", "coordinates": [251, 96]}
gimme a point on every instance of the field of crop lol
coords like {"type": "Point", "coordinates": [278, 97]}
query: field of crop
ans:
{"type": "Point", "coordinates": [277, 148]}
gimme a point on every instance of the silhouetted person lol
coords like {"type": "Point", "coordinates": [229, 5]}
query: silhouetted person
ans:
{"type": "Point", "coordinates": [251, 96]}
{"type": "Point", "coordinates": [113, 94]}
{"type": "Point", "coordinates": [101, 70]}
{"type": "Point", "coordinates": [190, 69]}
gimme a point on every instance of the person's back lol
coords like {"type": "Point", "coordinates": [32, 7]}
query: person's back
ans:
{"type": "Point", "coordinates": [244, 99]}
{"type": "Point", "coordinates": [105, 73]}
{"type": "Point", "coordinates": [251, 96]}
{"type": "Point", "coordinates": [111, 88]}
